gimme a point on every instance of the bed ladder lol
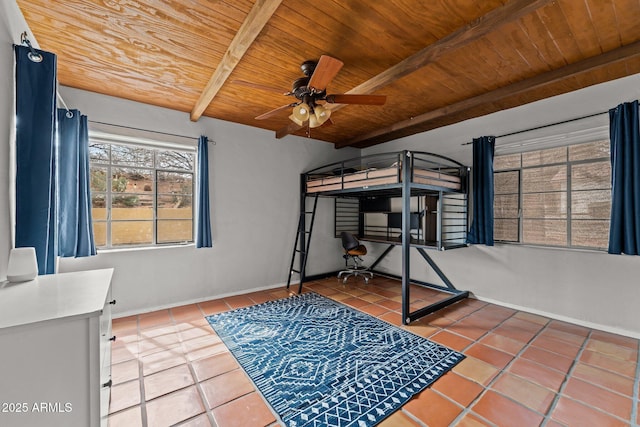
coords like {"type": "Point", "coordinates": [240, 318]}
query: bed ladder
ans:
{"type": "Point", "coordinates": [303, 237]}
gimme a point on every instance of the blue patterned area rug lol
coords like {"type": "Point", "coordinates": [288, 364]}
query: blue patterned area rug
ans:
{"type": "Point", "coordinates": [321, 363]}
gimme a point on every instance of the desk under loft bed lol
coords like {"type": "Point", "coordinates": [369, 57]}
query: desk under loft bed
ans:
{"type": "Point", "coordinates": [405, 199]}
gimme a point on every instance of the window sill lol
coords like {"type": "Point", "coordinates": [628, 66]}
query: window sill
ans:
{"type": "Point", "coordinates": [144, 248]}
{"type": "Point", "coordinates": [557, 248]}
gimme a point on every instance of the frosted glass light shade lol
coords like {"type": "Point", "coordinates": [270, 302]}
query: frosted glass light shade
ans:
{"type": "Point", "coordinates": [23, 265]}
{"type": "Point", "coordinates": [301, 112]}
{"type": "Point", "coordinates": [296, 120]}
{"type": "Point", "coordinates": [322, 114]}
{"type": "Point", "coordinates": [313, 121]}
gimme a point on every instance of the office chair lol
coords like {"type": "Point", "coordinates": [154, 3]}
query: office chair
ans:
{"type": "Point", "coordinates": [352, 251]}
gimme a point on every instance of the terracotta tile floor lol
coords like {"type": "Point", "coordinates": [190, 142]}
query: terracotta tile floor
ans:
{"type": "Point", "coordinates": [170, 368]}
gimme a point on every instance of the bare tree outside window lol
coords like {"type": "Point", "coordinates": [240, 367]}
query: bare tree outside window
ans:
{"type": "Point", "coordinates": [141, 195]}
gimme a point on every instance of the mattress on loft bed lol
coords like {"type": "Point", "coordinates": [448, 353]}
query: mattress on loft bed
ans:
{"type": "Point", "coordinates": [437, 178]}
{"type": "Point", "coordinates": [372, 177]}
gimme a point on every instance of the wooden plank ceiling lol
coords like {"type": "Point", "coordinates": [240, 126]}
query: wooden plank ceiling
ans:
{"type": "Point", "coordinates": [438, 62]}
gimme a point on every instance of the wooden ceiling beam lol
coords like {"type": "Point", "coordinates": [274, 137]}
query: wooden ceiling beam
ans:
{"type": "Point", "coordinates": [620, 54]}
{"type": "Point", "coordinates": [288, 130]}
{"type": "Point", "coordinates": [252, 26]}
{"type": "Point", "coordinates": [510, 12]}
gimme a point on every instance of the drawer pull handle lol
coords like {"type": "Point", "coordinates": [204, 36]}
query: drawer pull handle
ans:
{"type": "Point", "coordinates": [107, 384]}
{"type": "Point", "coordinates": [112, 302]}
{"type": "Point", "coordinates": [113, 338]}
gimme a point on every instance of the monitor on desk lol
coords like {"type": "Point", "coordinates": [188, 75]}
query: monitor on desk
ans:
{"type": "Point", "coordinates": [394, 220]}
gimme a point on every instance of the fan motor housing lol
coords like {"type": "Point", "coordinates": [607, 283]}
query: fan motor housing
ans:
{"type": "Point", "coordinates": [308, 67]}
{"type": "Point", "coordinates": [300, 89]}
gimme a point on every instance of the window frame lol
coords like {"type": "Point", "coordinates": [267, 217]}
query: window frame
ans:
{"type": "Point", "coordinates": [568, 192]}
{"type": "Point", "coordinates": [108, 165]}
{"type": "Point", "coordinates": [518, 216]}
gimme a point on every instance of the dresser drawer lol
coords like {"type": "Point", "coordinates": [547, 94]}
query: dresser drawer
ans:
{"type": "Point", "coordinates": [106, 334]}
{"type": "Point", "coordinates": [105, 317]}
{"type": "Point", "coordinates": [106, 340]}
{"type": "Point", "coordinates": [105, 397]}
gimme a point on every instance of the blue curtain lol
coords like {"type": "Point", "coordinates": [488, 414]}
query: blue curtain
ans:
{"type": "Point", "coordinates": [75, 229]}
{"type": "Point", "coordinates": [35, 156]}
{"type": "Point", "coordinates": [481, 231]}
{"type": "Point", "coordinates": [624, 232]}
{"type": "Point", "coordinates": [203, 215]}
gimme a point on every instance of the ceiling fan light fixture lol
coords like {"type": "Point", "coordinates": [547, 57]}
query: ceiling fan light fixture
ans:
{"type": "Point", "coordinates": [301, 111]}
{"type": "Point", "coordinates": [312, 89]}
{"type": "Point", "coordinates": [296, 120]}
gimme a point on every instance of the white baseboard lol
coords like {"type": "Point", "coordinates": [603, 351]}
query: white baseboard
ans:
{"type": "Point", "coordinates": [591, 325]}
{"type": "Point", "coordinates": [197, 300]}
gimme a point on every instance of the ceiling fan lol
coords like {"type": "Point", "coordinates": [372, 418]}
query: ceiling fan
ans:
{"type": "Point", "coordinates": [311, 96]}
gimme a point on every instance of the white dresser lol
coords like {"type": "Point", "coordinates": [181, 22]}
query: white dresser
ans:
{"type": "Point", "coordinates": [55, 350]}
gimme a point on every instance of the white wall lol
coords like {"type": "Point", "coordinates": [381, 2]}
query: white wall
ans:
{"type": "Point", "coordinates": [12, 24]}
{"type": "Point", "coordinates": [6, 87]}
{"type": "Point", "coordinates": [587, 287]}
{"type": "Point", "coordinates": [254, 181]}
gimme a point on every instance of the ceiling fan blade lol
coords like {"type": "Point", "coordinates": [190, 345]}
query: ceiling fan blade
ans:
{"type": "Point", "coordinates": [259, 86]}
{"type": "Point", "coordinates": [287, 130]}
{"type": "Point", "coordinates": [274, 112]}
{"type": "Point", "coordinates": [325, 71]}
{"type": "Point", "coordinates": [356, 99]}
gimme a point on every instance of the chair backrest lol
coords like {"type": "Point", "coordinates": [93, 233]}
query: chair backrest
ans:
{"type": "Point", "coordinates": [349, 241]}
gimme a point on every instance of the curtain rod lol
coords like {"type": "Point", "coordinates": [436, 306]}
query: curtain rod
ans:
{"type": "Point", "coordinates": [147, 130]}
{"type": "Point", "coordinates": [545, 126]}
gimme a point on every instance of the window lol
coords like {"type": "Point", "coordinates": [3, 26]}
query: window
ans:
{"type": "Point", "coordinates": [141, 195]}
{"type": "Point", "coordinates": [554, 197]}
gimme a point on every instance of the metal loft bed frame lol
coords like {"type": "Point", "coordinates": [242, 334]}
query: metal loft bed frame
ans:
{"type": "Point", "coordinates": [402, 175]}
